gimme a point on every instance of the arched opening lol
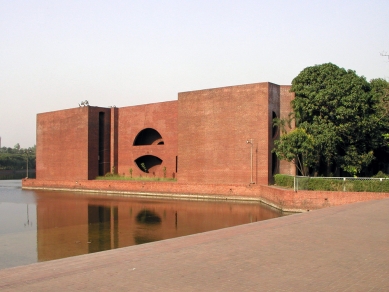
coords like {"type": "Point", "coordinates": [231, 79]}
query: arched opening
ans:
{"type": "Point", "coordinates": [148, 163]}
{"type": "Point", "coordinates": [148, 136]}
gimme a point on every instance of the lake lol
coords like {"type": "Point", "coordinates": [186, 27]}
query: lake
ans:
{"type": "Point", "coordinates": [39, 225]}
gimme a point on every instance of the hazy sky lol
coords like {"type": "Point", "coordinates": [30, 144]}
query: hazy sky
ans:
{"type": "Point", "coordinates": [54, 54]}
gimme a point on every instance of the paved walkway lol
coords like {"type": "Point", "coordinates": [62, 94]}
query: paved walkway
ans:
{"type": "Point", "coordinates": [342, 248]}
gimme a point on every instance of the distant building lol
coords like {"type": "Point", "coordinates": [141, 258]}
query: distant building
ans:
{"type": "Point", "coordinates": [200, 138]}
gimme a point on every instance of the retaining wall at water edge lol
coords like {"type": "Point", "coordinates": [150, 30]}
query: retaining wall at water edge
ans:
{"type": "Point", "coordinates": [283, 199]}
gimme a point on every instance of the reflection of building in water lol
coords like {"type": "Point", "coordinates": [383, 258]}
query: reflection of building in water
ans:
{"type": "Point", "coordinates": [148, 223]}
{"type": "Point", "coordinates": [62, 227]}
{"type": "Point", "coordinates": [73, 225]}
{"type": "Point", "coordinates": [102, 227]}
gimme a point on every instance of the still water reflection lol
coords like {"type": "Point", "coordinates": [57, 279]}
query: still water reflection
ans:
{"type": "Point", "coordinates": [45, 225]}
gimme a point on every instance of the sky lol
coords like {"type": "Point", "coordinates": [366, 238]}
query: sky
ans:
{"type": "Point", "coordinates": [55, 54]}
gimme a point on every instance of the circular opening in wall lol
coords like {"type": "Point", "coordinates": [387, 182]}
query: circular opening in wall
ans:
{"type": "Point", "coordinates": [148, 163]}
{"type": "Point", "coordinates": [148, 136]}
{"type": "Point", "coordinates": [275, 127]}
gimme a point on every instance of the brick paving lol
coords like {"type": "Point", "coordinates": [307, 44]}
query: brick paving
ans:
{"type": "Point", "coordinates": [343, 248]}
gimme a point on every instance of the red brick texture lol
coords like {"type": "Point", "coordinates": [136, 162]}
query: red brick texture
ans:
{"type": "Point", "coordinates": [213, 127]}
{"type": "Point", "coordinates": [203, 144]}
{"type": "Point", "coordinates": [67, 143]}
{"type": "Point", "coordinates": [283, 199]}
{"type": "Point", "coordinates": [161, 117]}
{"type": "Point", "coordinates": [204, 137]}
{"type": "Point", "coordinates": [62, 144]}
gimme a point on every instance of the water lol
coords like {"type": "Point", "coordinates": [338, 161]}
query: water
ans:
{"type": "Point", "coordinates": [46, 225]}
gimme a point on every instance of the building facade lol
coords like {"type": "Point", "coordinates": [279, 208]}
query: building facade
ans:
{"type": "Point", "coordinates": [220, 136]}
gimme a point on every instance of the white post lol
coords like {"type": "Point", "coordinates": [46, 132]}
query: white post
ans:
{"type": "Point", "coordinates": [344, 184]}
{"type": "Point", "coordinates": [294, 183]}
{"type": "Point", "coordinates": [251, 155]}
{"type": "Point", "coordinates": [250, 141]}
{"type": "Point", "coordinates": [27, 163]}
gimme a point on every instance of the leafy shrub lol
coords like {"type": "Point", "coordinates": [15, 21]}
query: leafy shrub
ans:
{"type": "Point", "coordinates": [381, 174]}
{"type": "Point", "coordinates": [371, 186]}
{"type": "Point", "coordinates": [320, 184]}
{"type": "Point", "coordinates": [284, 180]}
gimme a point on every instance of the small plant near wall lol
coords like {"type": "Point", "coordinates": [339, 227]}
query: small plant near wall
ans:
{"type": "Point", "coordinates": [113, 169]}
{"type": "Point", "coordinates": [152, 176]}
{"type": "Point", "coordinates": [109, 176]}
{"type": "Point", "coordinates": [143, 165]}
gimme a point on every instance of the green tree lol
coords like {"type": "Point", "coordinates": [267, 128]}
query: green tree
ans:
{"type": "Point", "coordinates": [339, 110]}
{"type": "Point", "coordinates": [380, 93]}
{"type": "Point", "coordinates": [16, 158]}
{"type": "Point", "coordinates": [297, 147]}
{"type": "Point", "coordinates": [17, 147]}
{"type": "Point", "coordinates": [284, 124]}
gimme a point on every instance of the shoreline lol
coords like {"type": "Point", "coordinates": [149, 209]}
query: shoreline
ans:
{"type": "Point", "coordinates": [285, 200]}
{"type": "Point", "coordinates": [190, 197]}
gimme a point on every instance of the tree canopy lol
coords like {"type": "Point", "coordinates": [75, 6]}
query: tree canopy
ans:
{"type": "Point", "coordinates": [16, 158]}
{"type": "Point", "coordinates": [345, 115]}
{"type": "Point", "coordinates": [296, 147]}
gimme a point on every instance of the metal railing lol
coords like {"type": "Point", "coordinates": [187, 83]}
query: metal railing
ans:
{"type": "Point", "coordinates": [337, 183]}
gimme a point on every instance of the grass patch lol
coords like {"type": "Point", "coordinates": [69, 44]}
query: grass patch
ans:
{"type": "Point", "coordinates": [127, 178]}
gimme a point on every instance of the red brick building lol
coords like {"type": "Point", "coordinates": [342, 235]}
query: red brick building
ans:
{"type": "Point", "coordinates": [220, 136]}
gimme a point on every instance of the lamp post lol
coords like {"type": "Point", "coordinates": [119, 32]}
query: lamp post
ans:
{"type": "Point", "coordinates": [27, 163]}
{"type": "Point", "coordinates": [28, 219]}
{"type": "Point", "coordinates": [250, 141]}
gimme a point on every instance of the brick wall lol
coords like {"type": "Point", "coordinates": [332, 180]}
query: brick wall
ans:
{"type": "Point", "coordinates": [284, 199]}
{"type": "Point", "coordinates": [213, 127]}
{"type": "Point", "coordinates": [62, 144]}
{"type": "Point", "coordinates": [204, 137]}
{"type": "Point", "coordinates": [161, 117]}
{"type": "Point", "coordinates": [68, 143]}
